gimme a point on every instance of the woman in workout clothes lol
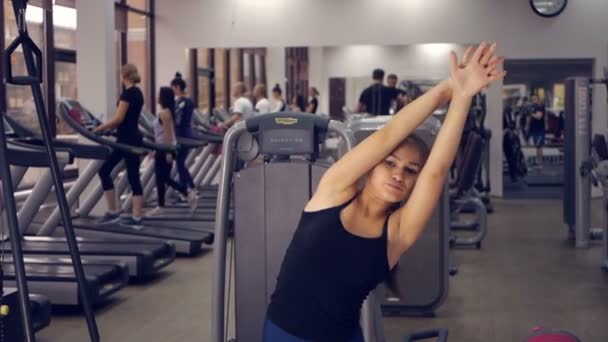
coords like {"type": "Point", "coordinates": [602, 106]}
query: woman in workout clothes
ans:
{"type": "Point", "coordinates": [347, 240]}
{"type": "Point", "coordinates": [279, 103]}
{"type": "Point", "coordinates": [164, 134]}
{"type": "Point", "coordinates": [125, 121]}
{"type": "Point", "coordinates": [184, 109]}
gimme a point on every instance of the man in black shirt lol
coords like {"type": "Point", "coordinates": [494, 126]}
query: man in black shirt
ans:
{"type": "Point", "coordinates": [537, 128]}
{"type": "Point", "coordinates": [377, 98]}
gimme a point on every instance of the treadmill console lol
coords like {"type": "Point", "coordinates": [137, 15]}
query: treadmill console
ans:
{"type": "Point", "coordinates": [81, 115]}
{"type": "Point", "coordinates": [288, 133]}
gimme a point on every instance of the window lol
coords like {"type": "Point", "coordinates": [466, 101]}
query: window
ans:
{"type": "Point", "coordinates": [248, 77]}
{"type": "Point", "coordinates": [64, 23]}
{"type": "Point", "coordinates": [135, 41]}
{"type": "Point", "coordinates": [138, 4]}
{"type": "Point", "coordinates": [137, 52]}
{"type": "Point", "coordinates": [220, 80]}
{"type": "Point", "coordinates": [260, 71]}
{"type": "Point", "coordinates": [65, 87]}
{"type": "Point", "coordinates": [236, 70]}
{"type": "Point", "coordinates": [203, 79]}
{"type": "Point", "coordinates": [19, 100]}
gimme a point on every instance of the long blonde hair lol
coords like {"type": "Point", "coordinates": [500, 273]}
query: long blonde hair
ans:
{"type": "Point", "coordinates": [129, 72]}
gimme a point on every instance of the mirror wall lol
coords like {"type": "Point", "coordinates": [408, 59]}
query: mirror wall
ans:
{"type": "Point", "coordinates": [335, 76]}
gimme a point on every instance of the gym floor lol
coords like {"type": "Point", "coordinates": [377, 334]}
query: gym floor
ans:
{"type": "Point", "coordinates": [525, 276]}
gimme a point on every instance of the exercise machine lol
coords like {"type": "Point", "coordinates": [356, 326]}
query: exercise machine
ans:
{"type": "Point", "coordinates": [269, 198]}
{"type": "Point", "coordinates": [429, 291]}
{"type": "Point", "coordinates": [143, 258]}
{"type": "Point", "coordinates": [33, 62]}
{"type": "Point", "coordinates": [462, 195]}
{"type": "Point", "coordinates": [600, 178]}
{"type": "Point", "coordinates": [186, 241]}
{"type": "Point", "coordinates": [577, 160]}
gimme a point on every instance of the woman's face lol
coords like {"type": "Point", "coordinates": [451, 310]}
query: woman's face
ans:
{"type": "Point", "coordinates": [276, 95]}
{"type": "Point", "coordinates": [393, 179]}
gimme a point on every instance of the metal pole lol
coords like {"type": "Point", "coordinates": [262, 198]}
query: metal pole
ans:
{"type": "Point", "coordinates": [13, 226]}
{"type": "Point", "coordinates": [221, 234]}
{"type": "Point", "coordinates": [19, 7]}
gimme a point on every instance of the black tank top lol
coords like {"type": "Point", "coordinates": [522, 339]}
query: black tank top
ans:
{"type": "Point", "coordinates": [325, 276]}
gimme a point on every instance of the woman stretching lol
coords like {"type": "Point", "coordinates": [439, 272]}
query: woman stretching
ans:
{"type": "Point", "coordinates": [347, 241]}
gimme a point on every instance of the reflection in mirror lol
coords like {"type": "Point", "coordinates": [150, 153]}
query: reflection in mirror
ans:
{"type": "Point", "coordinates": [327, 80]}
{"type": "Point", "coordinates": [533, 118]}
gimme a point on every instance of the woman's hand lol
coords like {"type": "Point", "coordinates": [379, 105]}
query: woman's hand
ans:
{"type": "Point", "coordinates": [477, 71]}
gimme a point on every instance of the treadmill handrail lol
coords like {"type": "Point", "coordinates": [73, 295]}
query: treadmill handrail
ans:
{"type": "Point", "coordinates": [17, 128]}
{"type": "Point", "coordinates": [84, 151]}
{"type": "Point", "coordinates": [22, 154]}
{"type": "Point", "coordinates": [65, 106]}
{"type": "Point", "coordinates": [147, 130]}
{"type": "Point", "coordinates": [208, 137]}
{"type": "Point", "coordinates": [199, 137]}
{"type": "Point", "coordinates": [25, 135]}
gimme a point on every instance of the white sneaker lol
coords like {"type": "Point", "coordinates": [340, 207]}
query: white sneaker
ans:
{"type": "Point", "coordinates": [192, 200]}
{"type": "Point", "coordinates": [153, 212]}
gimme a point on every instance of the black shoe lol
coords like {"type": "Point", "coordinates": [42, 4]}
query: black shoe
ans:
{"type": "Point", "coordinates": [108, 218]}
{"type": "Point", "coordinates": [132, 223]}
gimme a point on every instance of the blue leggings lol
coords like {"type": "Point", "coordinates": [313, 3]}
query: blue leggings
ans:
{"type": "Point", "coordinates": [273, 333]}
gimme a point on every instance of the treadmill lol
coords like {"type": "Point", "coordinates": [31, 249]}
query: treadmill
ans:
{"type": "Point", "coordinates": [57, 281]}
{"type": "Point", "coordinates": [186, 241]}
{"type": "Point", "coordinates": [144, 258]}
{"type": "Point", "coordinates": [200, 143]}
{"type": "Point", "coordinates": [202, 218]}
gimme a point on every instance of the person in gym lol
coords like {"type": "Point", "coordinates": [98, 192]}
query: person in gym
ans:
{"type": "Point", "coordinates": [164, 134]}
{"type": "Point", "coordinates": [262, 105]}
{"type": "Point", "coordinates": [298, 103]}
{"type": "Point", "coordinates": [242, 108]}
{"type": "Point", "coordinates": [391, 84]}
{"type": "Point", "coordinates": [391, 81]}
{"type": "Point", "coordinates": [125, 121]}
{"type": "Point", "coordinates": [184, 109]}
{"type": "Point", "coordinates": [279, 102]}
{"type": "Point", "coordinates": [377, 98]}
{"type": "Point", "coordinates": [313, 101]}
{"type": "Point", "coordinates": [524, 119]}
{"type": "Point", "coordinates": [537, 128]}
{"type": "Point", "coordinates": [348, 240]}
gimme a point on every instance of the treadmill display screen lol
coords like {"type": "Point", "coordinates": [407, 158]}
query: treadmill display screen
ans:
{"type": "Point", "coordinates": [287, 141]}
{"type": "Point", "coordinates": [81, 115]}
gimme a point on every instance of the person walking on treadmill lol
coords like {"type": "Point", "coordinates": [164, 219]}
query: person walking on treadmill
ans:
{"type": "Point", "coordinates": [242, 108]}
{"type": "Point", "coordinates": [537, 128]}
{"type": "Point", "coordinates": [313, 100]}
{"type": "Point", "coordinates": [125, 121]}
{"type": "Point", "coordinates": [184, 109]}
{"type": "Point", "coordinates": [348, 240]}
{"type": "Point", "coordinates": [279, 103]}
{"type": "Point", "coordinates": [164, 134]}
{"type": "Point", "coordinates": [262, 105]}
